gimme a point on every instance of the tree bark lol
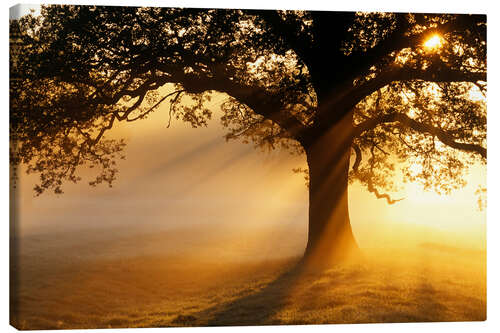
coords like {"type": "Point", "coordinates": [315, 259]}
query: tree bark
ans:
{"type": "Point", "coordinates": [330, 237]}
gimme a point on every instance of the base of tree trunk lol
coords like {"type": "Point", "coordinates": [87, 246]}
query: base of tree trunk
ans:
{"type": "Point", "coordinates": [332, 251]}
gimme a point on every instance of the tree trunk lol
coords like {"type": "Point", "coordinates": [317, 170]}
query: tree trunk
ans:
{"type": "Point", "coordinates": [330, 237]}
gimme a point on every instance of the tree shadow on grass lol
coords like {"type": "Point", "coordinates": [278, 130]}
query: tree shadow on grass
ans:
{"type": "Point", "coordinates": [261, 307]}
{"type": "Point", "coordinates": [256, 308]}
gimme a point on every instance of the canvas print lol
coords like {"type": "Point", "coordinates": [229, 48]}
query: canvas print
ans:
{"type": "Point", "coordinates": [215, 167]}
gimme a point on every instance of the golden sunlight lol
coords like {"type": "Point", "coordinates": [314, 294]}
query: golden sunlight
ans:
{"type": "Point", "coordinates": [434, 42]}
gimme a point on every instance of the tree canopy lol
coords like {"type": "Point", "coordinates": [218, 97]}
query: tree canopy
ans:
{"type": "Point", "coordinates": [413, 85]}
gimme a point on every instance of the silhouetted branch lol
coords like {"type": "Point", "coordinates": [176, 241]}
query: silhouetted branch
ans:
{"type": "Point", "coordinates": [371, 187]}
{"type": "Point", "coordinates": [104, 129]}
{"type": "Point", "coordinates": [258, 99]}
{"type": "Point", "coordinates": [437, 72]}
{"type": "Point", "coordinates": [386, 196]}
{"type": "Point", "coordinates": [367, 177]}
{"type": "Point", "coordinates": [359, 157]}
{"type": "Point", "coordinates": [172, 105]}
{"type": "Point", "coordinates": [406, 121]}
{"type": "Point", "coordinates": [142, 115]}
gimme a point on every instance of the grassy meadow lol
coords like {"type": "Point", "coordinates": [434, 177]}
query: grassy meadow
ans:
{"type": "Point", "coordinates": [200, 277]}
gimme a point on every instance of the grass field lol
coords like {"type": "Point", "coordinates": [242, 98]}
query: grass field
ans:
{"type": "Point", "coordinates": [90, 279]}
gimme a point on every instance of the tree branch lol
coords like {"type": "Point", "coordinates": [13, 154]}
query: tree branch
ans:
{"type": "Point", "coordinates": [258, 99]}
{"type": "Point", "coordinates": [437, 72]}
{"type": "Point", "coordinates": [406, 121]}
{"type": "Point", "coordinates": [142, 115]}
{"type": "Point", "coordinates": [386, 196]}
{"type": "Point", "coordinates": [367, 178]}
{"type": "Point", "coordinates": [359, 157]}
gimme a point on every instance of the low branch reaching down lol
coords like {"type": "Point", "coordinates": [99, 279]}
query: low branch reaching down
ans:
{"type": "Point", "coordinates": [359, 157]}
{"type": "Point", "coordinates": [368, 179]}
{"type": "Point", "coordinates": [386, 196]}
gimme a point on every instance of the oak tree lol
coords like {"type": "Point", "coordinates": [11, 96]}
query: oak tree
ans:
{"type": "Point", "coordinates": [357, 93]}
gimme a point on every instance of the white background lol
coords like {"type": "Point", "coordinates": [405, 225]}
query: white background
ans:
{"type": "Point", "coordinates": [441, 6]}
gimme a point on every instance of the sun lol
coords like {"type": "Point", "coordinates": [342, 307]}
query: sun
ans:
{"type": "Point", "coordinates": [434, 42]}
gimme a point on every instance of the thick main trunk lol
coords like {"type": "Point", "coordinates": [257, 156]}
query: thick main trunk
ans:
{"type": "Point", "coordinates": [330, 237]}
